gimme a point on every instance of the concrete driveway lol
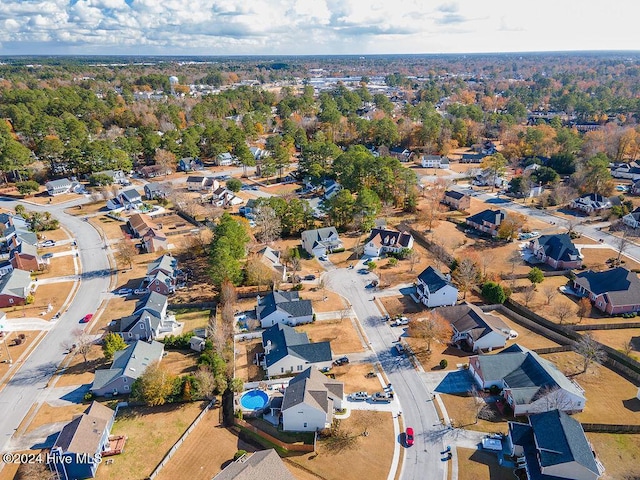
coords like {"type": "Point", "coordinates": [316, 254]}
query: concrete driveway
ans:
{"type": "Point", "coordinates": [457, 381]}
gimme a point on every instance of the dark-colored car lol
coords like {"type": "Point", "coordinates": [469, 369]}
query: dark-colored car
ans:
{"type": "Point", "coordinates": [341, 361]}
{"type": "Point", "coordinates": [310, 277]}
{"type": "Point", "coordinates": [409, 436]}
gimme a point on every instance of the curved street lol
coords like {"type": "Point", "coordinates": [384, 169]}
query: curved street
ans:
{"type": "Point", "coordinates": [28, 382]}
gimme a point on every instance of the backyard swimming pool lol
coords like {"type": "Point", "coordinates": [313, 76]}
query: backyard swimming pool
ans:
{"type": "Point", "coordinates": [254, 399]}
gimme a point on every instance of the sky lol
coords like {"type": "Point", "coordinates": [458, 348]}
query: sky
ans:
{"type": "Point", "coordinates": [309, 27]}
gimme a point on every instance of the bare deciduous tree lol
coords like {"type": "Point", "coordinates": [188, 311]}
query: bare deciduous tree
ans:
{"type": "Point", "coordinates": [433, 328]}
{"type": "Point", "coordinates": [206, 381]}
{"type": "Point", "coordinates": [268, 224]}
{"type": "Point", "coordinates": [563, 309]}
{"type": "Point", "coordinates": [83, 342]}
{"type": "Point", "coordinates": [414, 259]}
{"type": "Point", "coordinates": [166, 160]}
{"type": "Point", "coordinates": [622, 243]}
{"type": "Point", "coordinates": [125, 252]}
{"type": "Point", "coordinates": [466, 274]}
{"type": "Point", "coordinates": [528, 294]}
{"type": "Point", "coordinates": [590, 350]}
{"type": "Point", "coordinates": [584, 308]}
{"type": "Point", "coordinates": [627, 347]}
{"type": "Point", "coordinates": [550, 292]}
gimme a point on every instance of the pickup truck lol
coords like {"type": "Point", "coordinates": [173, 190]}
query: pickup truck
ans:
{"type": "Point", "coordinates": [382, 397]}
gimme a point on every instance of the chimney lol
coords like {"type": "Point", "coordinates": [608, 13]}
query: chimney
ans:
{"type": "Point", "coordinates": [267, 348]}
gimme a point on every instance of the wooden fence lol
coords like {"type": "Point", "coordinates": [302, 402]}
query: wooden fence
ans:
{"type": "Point", "coordinates": [291, 447]}
{"type": "Point", "coordinates": [604, 326]}
{"type": "Point", "coordinates": [606, 428]}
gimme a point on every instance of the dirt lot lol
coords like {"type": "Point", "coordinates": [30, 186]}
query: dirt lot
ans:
{"type": "Point", "coordinates": [354, 377]}
{"type": "Point", "coordinates": [341, 333]}
{"type": "Point", "coordinates": [80, 372]}
{"type": "Point", "coordinates": [462, 410]}
{"type": "Point", "coordinates": [369, 458]}
{"type": "Point", "coordinates": [48, 414]}
{"type": "Point", "coordinates": [150, 431]}
{"type": "Point", "coordinates": [206, 451]}
{"type": "Point", "coordinates": [15, 351]}
{"type": "Point", "coordinates": [478, 464]}
{"type": "Point", "coordinates": [245, 354]}
{"type": "Point", "coordinates": [619, 454]}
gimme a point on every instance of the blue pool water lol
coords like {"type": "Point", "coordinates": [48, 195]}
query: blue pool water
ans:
{"type": "Point", "coordinates": [254, 399]}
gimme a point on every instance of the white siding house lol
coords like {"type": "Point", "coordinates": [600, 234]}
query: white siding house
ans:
{"type": "Point", "coordinates": [435, 289]}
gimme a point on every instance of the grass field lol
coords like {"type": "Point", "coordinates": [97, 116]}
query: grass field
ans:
{"type": "Point", "coordinates": [341, 333]}
{"type": "Point", "coordinates": [479, 464]}
{"type": "Point", "coordinates": [618, 453]}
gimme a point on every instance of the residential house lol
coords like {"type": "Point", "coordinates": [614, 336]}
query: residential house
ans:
{"type": "Point", "coordinates": [153, 241]}
{"type": "Point", "coordinates": [14, 288]}
{"type": "Point", "coordinates": [283, 307]}
{"type": "Point", "coordinates": [635, 188]}
{"type": "Point", "coordinates": [59, 187]}
{"type": "Point", "coordinates": [321, 241]}
{"type": "Point", "coordinates": [400, 153]}
{"type": "Point", "coordinates": [612, 291]}
{"type": "Point", "coordinates": [630, 171]}
{"type": "Point", "coordinates": [456, 200]}
{"type": "Point", "coordinates": [153, 190]}
{"type": "Point", "coordinates": [632, 219]}
{"type": "Point", "coordinates": [591, 203]}
{"type": "Point", "coordinates": [117, 176]}
{"type": "Point", "coordinates": [130, 199]}
{"type": "Point", "coordinates": [258, 153]}
{"type": "Point", "coordinates": [189, 164]}
{"type": "Point", "coordinates": [25, 257]}
{"type": "Point", "coordinates": [488, 177]}
{"type": "Point", "coordinates": [309, 401]}
{"type": "Point", "coordinates": [472, 157]}
{"type": "Point", "coordinates": [127, 366]}
{"type": "Point", "coordinates": [250, 208]}
{"type": "Point", "coordinates": [223, 197]}
{"type": "Point", "coordinates": [152, 171]}
{"type": "Point", "coordinates": [271, 258]}
{"type": "Point", "coordinates": [287, 351]}
{"type": "Point", "coordinates": [78, 449]}
{"type": "Point", "coordinates": [435, 289]}
{"type": "Point", "coordinates": [225, 159]}
{"type": "Point", "coordinates": [149, 321]}
{"type": "Point", "coordinates": [331, 189]}
{"type": "Point", "coordinates": [160, 282]}
{"type": "Point", "coordinates": [166, 264]}
{"type": "Point", "coordinates": [197, 183]}
{"type": "Point", "coordinates": [382, 240]}
{"type": "Point", "coordinates": [139, 223]}
{"type": "Point", "coordinates": [434, 161]}
{"type": "Point", "coordinates": [487, 221]}
{"type": "Point", "coordinates": [474, 330]}
{"type": "Point", "coordinates": [553, 446]}
{"type": "Point", "coordinates": [256, 466]}
{"type": "Point", "coordinates": [529, 383]}
{"type": "Point", "coordinates": [558, 251]}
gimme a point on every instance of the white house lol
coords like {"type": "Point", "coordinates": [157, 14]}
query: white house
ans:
{"type": "Point", "coordinates": [225, 159]}
{"type": "Point", "coordinates": [58, 187]}
{"type": "Point", "coordinates": [591, 203]}
{"type": "Point", "coordinates": [321, 241]}
{"type": "Point", "coordinates": [283, 307]}
{"type": "Point", "coordinates": [382, 241]}
{"type": "Point", "coordinates": [287, 351]}
{"type": "Point", "coordinates": [435, 289]}
{"type": "Point", "coordinates": [632, 219]}
{"type": "Point", "coordinates": [434, 161]}
{"type": "Point", "coordinates": [310, 400]}
{"type": "Point", "coordinates": [473, 329]}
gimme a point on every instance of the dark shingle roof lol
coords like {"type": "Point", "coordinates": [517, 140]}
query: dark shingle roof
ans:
{"type": "Point", "coordinates": [454, 194]}
{"type": "Point", "coordinates": [494, 217]}
{"type": "Point", "coordinates": [621, 286]}
{"type": "Point", "coordinates": [84, 433]}
{"type": "Point", "coordinates": [558, 247]}
{"type": "Point", "coordinates": [256, 466]}
{"type": "Point", "coordinates": [390, 238]}
{"type": "Point", "coordinates": [314, 388]}
{"type": "Point", "coordinates": [469, 318]}
{"type": "Point", "coordinates": [289, 302]}
{"type": "Point", "coordinates": [284, 341]}
{"type": "Point", "coordinates": [433, 278]}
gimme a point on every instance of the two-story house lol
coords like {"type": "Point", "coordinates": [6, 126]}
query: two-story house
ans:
{"type": "Point", "coordinates": [321, 241]}
{"type": "Point", "coordinates": [473, 329]}
{"type": "Point", "coordinates": [283, 307]}
{"type": "Point", "coordinates": [558, 251]}
{"type": "Point", "coordinates": [487, 221]}
{"type": "Point", "coordinates": [382, 240]}
{"type": "Point", "coordinates": [434, 289]}
{"type": "Point", "coordinates": [591, 203]}
{"type": "Point", "coordinates": [456, 200]}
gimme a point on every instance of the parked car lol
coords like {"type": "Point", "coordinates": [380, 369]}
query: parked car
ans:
{"type": "Point", "coordinates": [382, 397]}
{"type": "Point", "coordinates": [124, 291]}
{"type": "Point", "coordinates": [87, 318]}
{"type": "Point", "coordinates": [323, 258]}
{"type": "Point", "coordinates": [48, 243]}
{"type": "Point", "coordinates": [140, 291]}
{"type": "Point", "coordinates": [359, 396]}
{"type": "Point", "coordinates": [310, 277]}
{"type": "Point", "coordinates": [341, 361]}
{"type": "Point", "coordinates": [47, 255]}
{"type": "Point", "coordinates": [400, 348]}
{"type": "Point", "coordinates": [401, 321]}
{"type": "Point", "coordinates": [409, 436]}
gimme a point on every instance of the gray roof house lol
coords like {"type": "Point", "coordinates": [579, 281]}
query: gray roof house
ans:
{"type": "Point", "coordinates": [309, 401]}
{"type": "Point", "coordinates": [558, 251]}
{"type": "Point", "coordinates": [591, 203]}
{"type": "Point", "coordinates": [165, 263]}
{"type": "Point", "coordinates": [529, 383]}
{"type": "Point", "coordinates": [130, 198]}
{"type": "Point", "coordinates": [434, 289]}
{"type": "Point", "coordinates": [77, 450]}
{"type": "Point", "coordinates": [59, 187]}
{"type": "Point", "coordinates": [473, 329]}
{"type": "Point", "coordinates": [553, 446]}
{"type": "Point", "coordinates": [321, 241]}
{"type": "Point", "coordinates": [127, 366]}
{"type": "Point", "coordinates": [271, 258]}
{"type": "Point", "coordinates": [14, 288]}
{"type": "Point", "coordinates": [287, 351]}
{"type": "Point", "coordinates": [487, 221]}
{"type": "Point", "coordinates": [154, 190]}
{"type": "Point", "coordinates": [283, 307]}
{"type": "Point", "coordinates": [612, 291]}
{"type": "Point", "coordinates": [256, 466]}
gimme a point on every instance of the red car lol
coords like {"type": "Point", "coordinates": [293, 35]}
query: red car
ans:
{"type": "Point", "coordinates": [87, 318]}
{"type": "Point", "coordinates": [409, 436]}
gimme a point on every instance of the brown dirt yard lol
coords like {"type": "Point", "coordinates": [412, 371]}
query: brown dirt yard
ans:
{"type": "Point", "coordinates": [151, 432]}
{"type": "Point", "coordinates": [477, 464]}
{"type": "Point", "coordinates": [341, 333]}
{"type": "Point", "coordinates": [618, 453]}
{"type": "Point", "coordinates": [370, 458]}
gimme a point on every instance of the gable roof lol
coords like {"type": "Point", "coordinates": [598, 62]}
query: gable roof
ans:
{"type": "Point", "coordinates": [493, 217]}
{"type": "Point", "coordinates": [125, 324]}
{"type": "Point", "coordinates": [60, 183]}
{"type": "Point", "coordinates": [471, 319]}
{"type": "Point", "coordinates": [455, 195]}
{"type": "Point", "coordinates": [525, 373]}
{"type": "Point", "coordinates": [140, 221]}
{"type": "Point", "coordinates": [558, 247]}
{"type": "Point", "coordinates": [313, 388]}
{"type": "Point", "coordinates": [433, 279]}
{"type": "Point", "coordinates": [284, 341]}
{"type": "Point", "coordinates": [256, 466]}
{"type": "Point", "coordinates": [289, 302]}
{"type": "Point", "coordinates": [15, 282]}
{"type": "Point", "coordinates": [130, 195]}
{"type": "Point", "coordinates": [130, 362]}
{"type": "Point", "coordinates": [382, 237]}
{"type": "Point", "coordinates": [320, 236]}
{"type": "Point", "coordinates": [619, 285]}
{"type": "Point", "coordinates": [153, 302]}
{"type": "Point", "coordinates": [165, 262]}
{"type": "Point", "coordinates": [84, 433]}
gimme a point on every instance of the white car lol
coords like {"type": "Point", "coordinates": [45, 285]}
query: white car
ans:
{"type": "Point", "coordinates": [401, 321]}
{"type": "Point", "coordinates": [359, 396]}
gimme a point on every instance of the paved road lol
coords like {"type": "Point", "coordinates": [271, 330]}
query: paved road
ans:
{"type": "Point", "coordinates": [415, 400]}
{"type": "Point", "coordinates": [28, 384]}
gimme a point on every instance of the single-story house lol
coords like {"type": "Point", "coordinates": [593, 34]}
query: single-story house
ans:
{"type": "Point", "coordinates": [382, 240]}
{"type": "Point", "coordinates": [529, 383]}
{"type": "Point", "coordinates": [256, 466]}
{"type": "Point", "coordinates": [271, 258]}
{"type": "Point", "coordinates": [321, 241]}
{"type": "Point", "coordinates": [127, 366]}
{"type": "Point", "coordinates": [591, 203]}
{"type": "Point", "coordinates": [553, 446]}
{"type": "Point", "coordinates": [612, 291]}
{"type": "Point", "coordinates": [400, 153]}
{"type": "Point", "coordinates": [287, 351]}
{"type": "Point", "coordinates": [151, 171]}
{"type": "Point", "coordinates": [78, 449]}
{"type": "Point", "coordinates": [472, 157]}
{"type": "Point", "coordinates": [14, 288]}
{"type": "Point", "coordinates": [283, 307]}
{"type": "Point", "coordinates": [487, 221]}
{"type": "Point", "coordinates": [196, 183]}
{"type": "Point", "coordinates": [456, 200]}
{"type": "Point", "coordinates": [473, 329]}
{"type": "Point", "coordinates": [59, 187]}
{"type": "Point", "coordinates": [435, 289]}
{"type": "Point", "coordinates": [434, 161]}
{"type": "Point", "coordinates": [25, 257]}
{"type": "Point", "coordinates": [557, 250]}
{"type": "Point", "coordinates": [632, 219]}
{"type": "Point", "coordinates": [309, 401]}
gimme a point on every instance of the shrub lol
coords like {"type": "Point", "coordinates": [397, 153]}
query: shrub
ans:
{"type": "Point", "coordinates": [29, 300]}
{"type": "Point", "coordinates": [493, 292]}
{"type": "Point", "coordinates": [297, 287]}
{"type": "Point", "coordinates": [238, 454]}
{"type": "Point", "coordinates": [443, 363]}
{"type": "Point", "coordinates": [180, 342]}
{"type": "Point", "coordinates": [88, 396]}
